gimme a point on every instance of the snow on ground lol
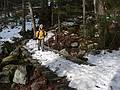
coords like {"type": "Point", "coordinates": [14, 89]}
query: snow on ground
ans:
{"type": "Point", "coordinates": [104, 76]}
{"type": "Point", "coordinates": [29, 24]}
{"type": "Point", "coordinates": [8, 34]}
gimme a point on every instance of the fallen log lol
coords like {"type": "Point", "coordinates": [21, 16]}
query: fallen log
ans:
{"type": "Point", "coordinates": [73, 59]}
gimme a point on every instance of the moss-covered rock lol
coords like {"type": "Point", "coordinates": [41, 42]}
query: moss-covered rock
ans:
{"type": "Point", "coordinates": [9, 59]}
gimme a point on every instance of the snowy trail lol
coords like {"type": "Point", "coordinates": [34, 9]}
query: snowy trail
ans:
{"type": "Point", "coordinates": [104, 76]}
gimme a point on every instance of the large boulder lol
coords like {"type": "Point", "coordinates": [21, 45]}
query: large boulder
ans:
{"type": "Point", "coordinates": [20, 75]}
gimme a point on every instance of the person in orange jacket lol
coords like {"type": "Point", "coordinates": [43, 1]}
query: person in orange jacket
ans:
{"type": "Point", "coordinates": [40, 35]}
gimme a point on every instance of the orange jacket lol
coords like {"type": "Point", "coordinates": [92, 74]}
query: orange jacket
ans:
{"type": "Point", "coordinates": [40, 34]}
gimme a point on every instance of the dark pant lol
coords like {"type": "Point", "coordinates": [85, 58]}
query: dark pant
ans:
{"type": "Point", "coordinates": [41, 44]}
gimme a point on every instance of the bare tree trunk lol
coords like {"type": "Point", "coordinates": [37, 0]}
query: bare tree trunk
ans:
{"type": "Point", "coordinates": [58, 22]}
{"type": "Point", "coordinates": [5, 18]}
{"type": "Point", "coordinates": [1, 8]}
{"type": "Point", "coordinates": [95, 8]}
{"type": "Point", "coordinates": [84, 18]}
{"type": "Point", "coordinates": [58, 29]}
{"type": "Point", "coordinates": [101, 10]}
{"type": "Point", "coordinates": [52, 14]}
{"type": "Point", "coordinates": [52, 18]}
{"type": "Point", "coordinates": [32, 16]}
{"type": "Point", "coordinates": [23, 16]}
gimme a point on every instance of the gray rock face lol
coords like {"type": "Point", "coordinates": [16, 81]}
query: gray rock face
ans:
{"type": "Point", "coordinates": [20, 75]}
{"type": "Point", "coordinates": [64, 52]}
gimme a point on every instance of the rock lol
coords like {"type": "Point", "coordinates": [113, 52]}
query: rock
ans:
{"type": "Point", "coordinates": [73, 51]}
{"type": "Point", "coordinates": [1, 49]}
{"type": "Point", "coordinates": [20, 75]}
{"type": "Point", "coordinates": [74, 44]}
{"type": "Point", "coordinates": [11, 68]}
{"type": "Point", "coordinates": [5, 86]}
{"type": "Point", "coordinates": [9, 59]}
{"type": "Point", "coordinates": [17, 51]}
{"type": "Point", "coordinates": [63, 87]}
{"type": "Point", "coordinates": [96, 45]}
{"type": "Point", "coordinates": [81, 53]}
{"type": "Point", "coordinates": [64, 52]}
{"type": "Point", "coordinates": [34, 86]}
{"type": "Point", "coordinates": [90, 46]}
{"type": "Point", "coordinates": [3, 52]}
{"type": "Point", "coordinates": [8, 47]}
{"type": "Point", "coordinates": [25, 53]}
{"type": "Point", "coordinates": [24, 41]}
{"type": "Point", "coordinates": [95, 52]}
{"type": "Point", "coordinates": [39, 80]}
{"type": "Point", "coordinates": [38, 85]}
{"type": "Point", "coordinates": [4, 77]}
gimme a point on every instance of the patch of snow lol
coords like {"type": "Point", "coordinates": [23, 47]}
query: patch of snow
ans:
{"type": "Point", "coordinates": [29, 24]}
{"type": "Point", "coordinates": [104, 76]}
{"type": "Point", "coordinates": [68, 23]}
{"type": "Point", "coordinates": [8, 34]}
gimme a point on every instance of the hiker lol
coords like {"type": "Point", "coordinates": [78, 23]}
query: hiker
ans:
{"type": "Point", "coordinates": [40, 35]}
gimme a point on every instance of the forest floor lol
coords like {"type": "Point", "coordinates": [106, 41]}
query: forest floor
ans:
{"type": "Point", "coordinates": [105, 75]}
{"type": "Point", "coordinates": [42, 78]}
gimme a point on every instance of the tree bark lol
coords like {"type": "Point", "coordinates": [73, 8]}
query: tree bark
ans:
{"type": "Point", "coordinates": [52, 18]}
{"type": "Point", "coordinates": [101, 10]}
{"type": "Point", "coordinates": [84, 18]}
{"type": "Point", "coordinates": [23, 16]}
{"type": "Point", "coordinates": [32, 16]}
{"type": "Point", "coordinates": [58, 22]}
{"type": "Point", "coordinates": [52, 14]}
{"type": "Point", "coordinates": [5, 18]}
{"type": "Point", "coordinates": [95, 8]}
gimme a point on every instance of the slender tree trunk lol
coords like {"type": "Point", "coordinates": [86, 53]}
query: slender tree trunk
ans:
{"type": "Point", "coordinates": [101, 10]}
{"type": "Point", "coordinates": [95, 8]}
{"type": "Point", "coordinates": [1, 9]}
{"type": "Point", "coordinates": [84, 18]}
{"type": "Point", "coordinates": [58, 22]}
{"type": "Point", "coordinates": [52, 14]}
{"type": "Point", "coordinates": [58, 29]}
{"type": "Point", "coordinates": [23, 16]}
{"type": "Point", "coordinates": [5, 18]}
{"type": "Point", "coordinates": [52, 18]}
{"type": "Point", "coordinates": [32, 16]}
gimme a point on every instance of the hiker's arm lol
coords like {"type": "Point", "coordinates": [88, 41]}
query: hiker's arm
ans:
{"type": "Point", "coordinates": [37, 34]}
